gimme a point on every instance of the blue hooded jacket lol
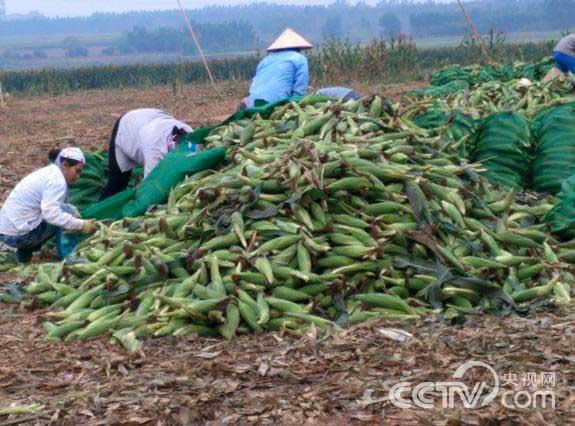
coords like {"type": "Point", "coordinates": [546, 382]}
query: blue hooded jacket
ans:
{"type": "Point", "coordinates": [280, 75]}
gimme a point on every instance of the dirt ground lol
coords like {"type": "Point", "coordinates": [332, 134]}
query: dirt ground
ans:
{"type": "Point", "coordinates": [344, 378]}
{"type": "Point", "coordinates": [281, 379]}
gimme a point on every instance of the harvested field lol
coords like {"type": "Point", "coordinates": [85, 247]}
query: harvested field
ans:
{"type": "Point", "coordinates": [271, 379]}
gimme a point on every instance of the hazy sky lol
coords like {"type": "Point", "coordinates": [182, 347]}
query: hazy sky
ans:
{"type": "Point", "coordinates": [86, 7]}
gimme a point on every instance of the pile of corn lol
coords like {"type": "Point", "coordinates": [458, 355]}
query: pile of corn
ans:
{"type": "Point", "coordinates": [496, 123]}
{"type": "Point", "coordinates": [327, 214]}
{"type": "Point", "coordinates": [7, 261]}
{"type": "Point", "coordinates": [87, 189]}
{"type": "Point", "coordinates": [525, 96]}
{"type": "Point", "coordinates": [476, 74]}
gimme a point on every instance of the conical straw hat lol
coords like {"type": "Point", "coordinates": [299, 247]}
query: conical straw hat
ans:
{"type": "Point", "coordinates": [289, 39]}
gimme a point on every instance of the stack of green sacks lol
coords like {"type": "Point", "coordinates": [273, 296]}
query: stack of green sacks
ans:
{"type": "Point", "coordinates": [455, 126]}
{"type": "Point", "coordinates": [503, 144]}
{"type": "Point", "coordinates": [554, 129]}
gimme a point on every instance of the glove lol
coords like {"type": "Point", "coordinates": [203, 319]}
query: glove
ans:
{"type": "Point", "coordinates": [89, 227]}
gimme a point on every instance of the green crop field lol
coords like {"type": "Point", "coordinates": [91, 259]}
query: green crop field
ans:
{"type": "Point", "coordinates": [55, 41]}
{"type": "Point", "coordinates": [523, 37]}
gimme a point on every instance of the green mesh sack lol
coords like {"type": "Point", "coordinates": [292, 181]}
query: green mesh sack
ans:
{"type": "Point", "coordinates": [459, 135]}
{"type": "Point", "coordinates": [489, 73]}
{"type": "Point", "coordinates": [87, 190]}
{"type": "Point", "coordinates": [548, 116]}
{"type": "Point", "coordinates": [485, 75]}
{"type": "Point", "coordinates": [456, 128]}
{"type": "Point", "coordinates": [561, 219]}
{"type": "Point", "coordinates": [174, 168]}
{"type": "Point", "coordinates": [503, 144]}
{"type": "Point", "coordinates": [543, 67]}
{"type": "Point", "coordinates": [450, 74]}
{"type": "Point", "coordinates": [528, 71]}
{"type": "Point", "coordinates": [432, 119]}
{"type": "Point", "coordinates": [452, 87]}
{"type": "Point", "coordinates": [567, 188]}
{"type": "Point", "coordinates": [554, 162]}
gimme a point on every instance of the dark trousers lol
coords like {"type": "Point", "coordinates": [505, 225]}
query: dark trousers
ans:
{"type": "Point", "coordinates": [31, 242]}
{"type": "Point", "coordinates": [117, 179]}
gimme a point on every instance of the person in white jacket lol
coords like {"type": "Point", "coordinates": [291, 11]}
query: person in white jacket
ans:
{"type": "Point", "coordinates": [37, 206]}
{"type": "Point", "coordinates": [140, 137]}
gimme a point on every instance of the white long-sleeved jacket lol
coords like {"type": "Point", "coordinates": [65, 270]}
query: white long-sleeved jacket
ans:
{"type": "Point", "coordinates": [39, 196]}
{"type": "Point", "coordinates": [143, 138]}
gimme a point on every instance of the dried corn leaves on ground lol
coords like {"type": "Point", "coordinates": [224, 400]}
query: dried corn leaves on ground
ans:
{"type": "Point", "coordinates": [273, 378]}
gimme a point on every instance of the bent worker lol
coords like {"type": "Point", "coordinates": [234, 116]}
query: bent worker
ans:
{"type": "Point", "coordinates": [281, 74]}
{"type": "Point", "coordinates": [564, 54]}
{"type": "Point", "coordinates": [140, 137]}
{"type": "Point", "coordinates": [37, 207]}
{"type": "Point", "coordinates": [338, 93]}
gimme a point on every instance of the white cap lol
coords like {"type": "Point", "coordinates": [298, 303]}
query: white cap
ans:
{"type": "Point", "coordinates": [289, 39]}
{"type": "Point", "coordinates": [71, 154]}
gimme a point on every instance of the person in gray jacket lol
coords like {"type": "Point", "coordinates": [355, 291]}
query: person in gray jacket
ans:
{"type": "Point", "coordinates": [564, 54]}
{"type": "Point", "coordinates": [338, 93]}
{"type": "Point", "coordinates": [140, 137]}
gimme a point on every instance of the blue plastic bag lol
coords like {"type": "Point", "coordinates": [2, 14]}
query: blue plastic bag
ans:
{"type": "Point", "coordinates": [65, 243]}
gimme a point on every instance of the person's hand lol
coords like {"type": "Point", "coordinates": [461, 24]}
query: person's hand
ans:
{"type": "Point", "coordinates": [89, 227]}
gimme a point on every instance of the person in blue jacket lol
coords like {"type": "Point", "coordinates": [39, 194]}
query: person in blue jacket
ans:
{"type": "Point", "coordinates": [281, 74]}
{"type": "Point", "coordinates": [564, 54]}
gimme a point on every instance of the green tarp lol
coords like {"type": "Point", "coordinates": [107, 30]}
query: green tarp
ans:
{"type": "Point", "coordinates": [174, 168]}
{"type": "Point", "coordinates": [156, 188]}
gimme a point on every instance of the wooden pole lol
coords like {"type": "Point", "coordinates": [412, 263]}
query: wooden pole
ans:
{"type": "Point", "coordinates": [475, 32]}
{"type": "Point", "coordinates": [198, 47]}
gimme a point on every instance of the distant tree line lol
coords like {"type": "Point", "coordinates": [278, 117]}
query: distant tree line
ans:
{"type": "Point", "coordinates": [214, 38]}
{"type": "Point", "coordinates": [359, 22]}
{"type": "Point", "coordinates": [221, 38]}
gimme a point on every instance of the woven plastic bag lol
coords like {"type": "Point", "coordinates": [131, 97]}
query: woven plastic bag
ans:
{"type": "Point", "coordinates": [503, 144]}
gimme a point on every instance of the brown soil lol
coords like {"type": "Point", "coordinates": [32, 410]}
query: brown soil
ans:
{"type": "Point", "coordinates": [272, 378]}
